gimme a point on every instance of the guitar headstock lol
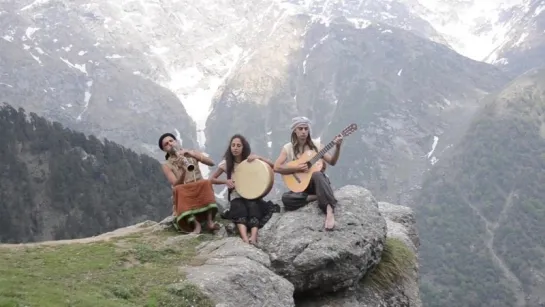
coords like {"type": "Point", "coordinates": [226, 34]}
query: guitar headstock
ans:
{"type": "Point", "coordinates": [349, 130]}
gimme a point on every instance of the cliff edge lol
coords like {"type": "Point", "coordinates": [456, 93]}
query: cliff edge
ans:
{"type": "Point", "coordinates": [370, 259]}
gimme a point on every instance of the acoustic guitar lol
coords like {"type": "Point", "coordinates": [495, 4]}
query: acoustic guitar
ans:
{"type": "Point", "coordinates": [298, 182]}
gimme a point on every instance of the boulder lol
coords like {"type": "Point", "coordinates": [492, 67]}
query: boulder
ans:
{"type": "Point", "coordinates": [404, 216]}
{"type": "Point", "coordinates": [298, 263]}
{"type": "Point", "coordinates": [403, 293]}
{"type": "Point", "coordinates": [233, 273]}
{"type": "Point", "coordinates": [316, 260]}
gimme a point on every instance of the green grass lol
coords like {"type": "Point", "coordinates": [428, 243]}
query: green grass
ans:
{"type": "Point", "coordinates": [131, 271]}
{"type": "Point", "coordinates": [394, 267]}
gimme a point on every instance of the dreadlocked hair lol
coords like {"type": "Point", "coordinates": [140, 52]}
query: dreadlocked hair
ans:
{"type": "Point", "coordinates": [308, 142]}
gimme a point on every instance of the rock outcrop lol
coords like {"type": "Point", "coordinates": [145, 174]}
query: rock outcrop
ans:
{"type": "Point", "coordinates": [298, 263]}
{"type": "Point", "coordinates": [369, 259]}
{"type": "Point", "coordinates": [236, 274]}
{"type": "Point", "coordinates": [315, 260]}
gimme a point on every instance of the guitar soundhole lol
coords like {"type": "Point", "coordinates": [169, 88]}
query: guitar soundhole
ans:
{"type": "Point", "coordinates": [297, 178]}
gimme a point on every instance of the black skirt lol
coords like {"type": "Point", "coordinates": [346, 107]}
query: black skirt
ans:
{"type": "Point", "coordinates": [252, 213]}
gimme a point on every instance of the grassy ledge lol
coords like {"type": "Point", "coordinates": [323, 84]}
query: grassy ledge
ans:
{"type": "Point", "coordinates": [134, 270]}
{"type": "Point", "coordinates": [394, 267]}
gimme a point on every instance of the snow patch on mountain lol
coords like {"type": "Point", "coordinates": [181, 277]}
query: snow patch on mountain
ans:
{"type": "Point", "coordinates": [473, 28]}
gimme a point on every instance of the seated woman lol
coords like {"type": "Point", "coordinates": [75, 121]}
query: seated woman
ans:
{"type": "Point", "coordinates": [194, 201]}
{"type": "Point", "coordinates": [246, 214]}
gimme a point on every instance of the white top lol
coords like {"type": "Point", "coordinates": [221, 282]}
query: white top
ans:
{"type": "Point", "coordinates": [288, 147]}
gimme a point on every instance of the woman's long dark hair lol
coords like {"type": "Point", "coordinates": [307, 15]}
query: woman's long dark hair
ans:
{"type": "Point", "coordinates": [308, 142]}
{"type": "Point", "coordinates": [230, 159]}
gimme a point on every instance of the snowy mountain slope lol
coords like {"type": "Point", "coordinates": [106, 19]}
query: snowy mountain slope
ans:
{"type": "Point", "coordinates": [191, 47]}
{"type": "Point", "coordinates": [396, 13]}
{"type": "Point", "coordinates": [188, 47]}
{"type": "Point", "coordinates": [506, 32]}
{"type": "Point", "coordinates": [403, 91]}
{"type": "Point", "coordinates": [59, 60]}
{"type": "Point", "coordinates": [473, 28]}
{"type": "Point", "coordinates": [523, 47]}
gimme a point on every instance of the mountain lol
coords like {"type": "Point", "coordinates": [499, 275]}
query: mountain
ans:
{"type": "Point", "coordinates": [473, 28]}
{"type": "Point", "coordinates": [59, 184]}
{"type": "Point", "coordinates": [507, 33]}
{"type": "Point", "coordinates": [131, 71]}
{"type": "Point", "coordinates": [523, 47]}
{"type": "Point", "coordinates": [481, 209]}
{"type": "Point", "coordinates": [402, 90]}
{"type": "Point", "coordinates": [60, 60]}
{"type": "Point", "coordinates": [395, 13]}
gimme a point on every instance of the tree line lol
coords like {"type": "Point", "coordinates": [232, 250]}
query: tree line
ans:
{"type": "Point", "coordinates": [56, 183]}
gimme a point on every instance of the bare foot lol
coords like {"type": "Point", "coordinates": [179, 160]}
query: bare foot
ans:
{"type": "Point", "coordinates": [329, 221]}
{"type": "Point", "coordinates": [197, 229]}
{"type": "Point", "coordinates": [253, 240]}
{"type": "Point", "coordinates": [212, 226]}
{"type": "Point", "coordinates": [245, 240]}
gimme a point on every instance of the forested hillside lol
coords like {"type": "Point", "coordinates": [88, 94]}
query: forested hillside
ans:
{"type": "Point", "coordinates": [59, 184]}
{"type": "Point", "coordinates": [482, 212]}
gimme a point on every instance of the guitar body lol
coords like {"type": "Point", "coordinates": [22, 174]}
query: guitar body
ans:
{"type": "Point", "coordinates": [298, 182]}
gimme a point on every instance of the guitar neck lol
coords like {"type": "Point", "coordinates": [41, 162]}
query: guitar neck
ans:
{"type": "Point", "coordinates": [322, 152]}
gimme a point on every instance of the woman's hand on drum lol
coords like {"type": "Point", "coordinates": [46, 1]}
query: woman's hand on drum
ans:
{"type": "Point", "coordinates": [230, 183]}
{"type": "Point", "coordinates": [252, 157]}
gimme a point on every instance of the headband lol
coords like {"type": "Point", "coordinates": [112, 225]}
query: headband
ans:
{"type": "Point", "coordinates": [299, 121]}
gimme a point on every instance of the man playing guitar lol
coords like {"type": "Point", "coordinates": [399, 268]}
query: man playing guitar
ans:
{"type": "Point", "coordinates": [320, 186]}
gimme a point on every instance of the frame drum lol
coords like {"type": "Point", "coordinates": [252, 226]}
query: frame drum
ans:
{"type": "Point", "coordinates": [253, 179]}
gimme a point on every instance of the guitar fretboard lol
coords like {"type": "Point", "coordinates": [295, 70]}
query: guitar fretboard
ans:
{"type": "Point", "coordinates": [322, 152]}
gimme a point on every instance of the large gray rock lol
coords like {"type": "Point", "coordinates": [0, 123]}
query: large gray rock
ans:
{"type": "Point", "coordinates": [313, 259]}
{"type": "Point", "coordinates": [395, 215]}
{"type": "Point", "coordinates": [401, 224]}
{"type": "Point", "coordinates": [234, 273]}
{"type": "Point", "coordinates": [405, 293]}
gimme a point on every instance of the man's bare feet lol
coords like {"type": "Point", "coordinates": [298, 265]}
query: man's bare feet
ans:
{"type": "Point", "coordinates": [330, 218]}
{"type": "Point", "coordinates": [329, 221]}
{"type": "Point", "coordinates": [197, 229]}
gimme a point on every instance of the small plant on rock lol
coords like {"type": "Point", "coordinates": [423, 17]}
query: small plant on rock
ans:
{"type": "Point", "coordinates": [394, 267]}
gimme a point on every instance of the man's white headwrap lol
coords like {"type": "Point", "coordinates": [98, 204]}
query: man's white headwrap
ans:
{"type": "Point", "coordinates": [299, 121]}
